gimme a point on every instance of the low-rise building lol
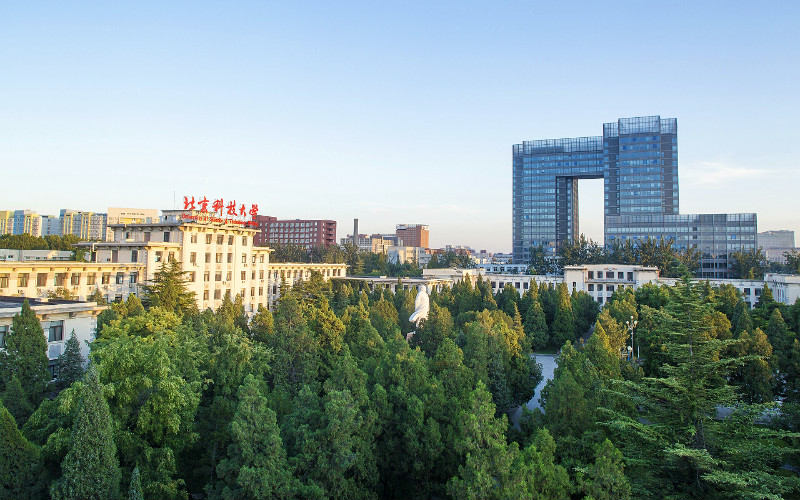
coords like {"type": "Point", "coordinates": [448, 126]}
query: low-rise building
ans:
{"type": "Point", "coordinates": [293, 272]}
{"type": "Point", "coordinates": [300, 232]}
{"type": "Point", "coordinates": [59, 318]}
{"type": "Point", "coordinates": [11, 254]}
{"type": "Point", "coordinates": [775, 244]}
{"type": "Point", "coordinates": [408, 255]}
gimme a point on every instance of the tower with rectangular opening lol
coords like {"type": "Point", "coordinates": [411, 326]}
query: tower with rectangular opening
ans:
{"type": "Point", "coordinates": [637, 158]}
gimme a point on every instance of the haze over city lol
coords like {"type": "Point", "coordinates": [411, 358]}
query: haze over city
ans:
{"type": "Point", "coordinates": [402, 113]}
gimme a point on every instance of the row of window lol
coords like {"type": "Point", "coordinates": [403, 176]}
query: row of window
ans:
{"type": "Point", "coordinates": [54, 330]}
{"type": "Point", "coordinates": [60, 279]}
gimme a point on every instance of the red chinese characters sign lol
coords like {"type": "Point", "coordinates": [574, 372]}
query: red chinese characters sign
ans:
{"type": "Point", "coordinates": [220, 211]}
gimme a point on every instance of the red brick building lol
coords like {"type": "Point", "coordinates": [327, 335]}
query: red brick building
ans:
{"type": "Point", "coordinates": [413, 235]}
{"type": "Point", "coordinates": [300, 232]}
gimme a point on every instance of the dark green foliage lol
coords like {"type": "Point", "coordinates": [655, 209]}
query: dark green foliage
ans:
{"type": "Point", "coordinates": [584, 311]}
{"type": "Point", "coordinates": [135, 489]}
{"type": "Point", "coordinates": [16, 401]}
{"type": "Point", "coordinates": [434, 330]}
{"type": "Point", "coordinates": [168, 290]}
{"type": "Point", "coordinates": [563, 328]}
{"type": "Point", "coordinates": [26, 354]}
{"type": "Point", "coordinates": [256, 465]}
{"type": "Point", "coordinates": [20, 462]}
{"type": "Point", "coordinates": [71, 362]}
{"type": "Point", "coordinates": [90, 469]}
{"type": "Point", "coordinates": [536, 326]}
{"type": "Point", "coordinates": [605, 478]}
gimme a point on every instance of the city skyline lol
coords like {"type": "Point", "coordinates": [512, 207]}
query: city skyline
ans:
{"type": "Point", "coordinates": [387, 114]}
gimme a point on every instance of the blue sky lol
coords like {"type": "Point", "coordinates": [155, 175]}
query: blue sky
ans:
{"type": "Point", "coordinates": [389, 112]}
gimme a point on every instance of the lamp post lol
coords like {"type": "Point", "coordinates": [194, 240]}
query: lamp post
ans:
{"type": "Point", "coordinates": [631, 324]}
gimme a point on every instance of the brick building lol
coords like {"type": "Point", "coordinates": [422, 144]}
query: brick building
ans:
{"type": "Point", "coordinates": [300, 232]}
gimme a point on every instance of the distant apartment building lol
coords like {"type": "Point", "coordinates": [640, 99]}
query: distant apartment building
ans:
{"type": "Point", "coordinates": [775, 243]}
{"type": "Point", "coordinates": [118, 215]}
{"type": "Point", "coordinates": [27, 222]}
{"type": "Point", "coordinates": [51, 225]}
{"type": "Point", "coordinates": [6, 222]}
{"type": "Point", "coordinates": [413, 235]}
{"type": "Point", "coordinates": [84, 225]}
{"type": "Point", "coordinates": [408, 255]}
{"type": "Point", "coordinates": [300, 232]}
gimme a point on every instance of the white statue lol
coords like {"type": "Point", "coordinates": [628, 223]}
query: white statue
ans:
{"type": "Point", "coordinates": [422, 305]}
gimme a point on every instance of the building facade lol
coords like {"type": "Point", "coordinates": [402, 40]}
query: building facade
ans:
{"type": "Point", "coordinates": [59, 318]}
{"type": "Point", "coordinates": [413, 235]}
{"type": "Point", "coordinates": [637, 158]}
{"type": "Point", "coordinates": [300, 232]}
{"type": "Point", "coordinates": [775, 244]}
{"type": "Point", "coordinates": [27, 222]}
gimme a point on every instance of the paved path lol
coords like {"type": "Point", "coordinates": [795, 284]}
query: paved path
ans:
{"type": "Point", "coordinates": [548, 362]}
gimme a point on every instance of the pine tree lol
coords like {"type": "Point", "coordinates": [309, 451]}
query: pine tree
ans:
{"type": "Point", "coordinates": [26, 348]}
{"type": "Point", "coordinates": [536, 326]}
{"type": "Point", "coordinates": [135, 490]}
{"type": "Point", "coordinates": [16, 401]}
{"type": "Point", "coordinates": [71, 362]}
{"type": "Point", "coordinates": [256, 465]}
{"type": "Point", "coordinates": [168, 289]}
{"type": "Point", "coordinates": [605, 479]}
{"type": "Point", "coordinates": [20, 462]}
{"type": "Point", "coordinates": [563, 323]}
{"type": "Point", "coordinates": [90, 469]}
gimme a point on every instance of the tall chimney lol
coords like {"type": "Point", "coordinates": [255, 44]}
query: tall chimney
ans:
{"type": "Point", "coordinates": [355, 232]}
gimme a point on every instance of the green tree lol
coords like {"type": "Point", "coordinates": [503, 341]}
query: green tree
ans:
{"type": "Point", "coordinates": [585, 310]}
{"type": "Point", "coordinates": [536, 326]}
{"type": "Point", "coordinates": [434, 330]}
{"type": "Point", "coordinates": [16, 401]}
{"type": "Point", "coordinates": [90, 469]}
{"type": "Point", "coordinates": [605, 478]}
{"type": "Point", "coordinates": [169, 289]}
{"type": "Point", "coordinates": [26, 354]}
{"type": "Point", "coordinates": [748, 264]}
{"type": "Point", "coordinates": [256, 466]}
{"type": "Point", "coordinates": [135, 489]}
{"type": "Point", "coordinates": [97, 296]}
{"type": "Point", "coordinates": [70, 362]}
{"type": "Point", "coordinates": [20, 462]}
{"type": "Point", "coordinates": [674, 446]}
{"type": "Point", "coordinates": [488, 460]}
{"type": "Point", "coordinates": [563, 324]}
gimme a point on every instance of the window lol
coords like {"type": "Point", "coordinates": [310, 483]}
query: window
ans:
{"type": "Point", "coordinates": [166, 236]}
{"type": "Point", "coordinates": [610, 288]}
{"type": "Point", "coordinates": [134, 278]}
{"type": "Point", "coordinates": [22, 279]}
{"type": "Point", "coordinates": [60, 280]}
{"type": "Point", "coordinates": [193, 238]}
{"type": "Point", "coordinates": [75, 279]}
{"type": "Point", "coordinates": [120, 278]}
{"type": "Point", "coordinates": [55, 331]}
{"type": "Point", "coordinates": [630, 276]}
{"type": "Point", "coordinates": [159, 256]}
{"type": "Point", "coordinates": [3, 280]}
{"type": "Point", "coordinates": [218, 276]}
{"type": "Point", "coordinates": [229, 276]}
{"type": "Point", "coordinates": [261, 259]}
{"type": "Point", "coordinates": [244, 275]}
{"type": "Point", "coordinates": [41, 279]}
{"type": "Point", "coordinates": [91, 278]}
{"type": "Point", "coordinates": [207, 276]}
{"type": "Point", "coordinates": [591, 287]}
{"type": "Point", "coordinates": [193, 258]}
{"type": "Point", "coordinates": [230, 258]}
{"type": "Point", "coordinates": [220, 239]}
{"type": "Point", "coordinates": [244, 241]}
{"type": "Point", "coordinates": [599, 288]}
{"type": "Point", "coordinates": [591, 275]}
{"type": "Point", "coordinates": [260, 291]}
{"type": "Point", "coordinates": [147, 237]}
{"type": "Point", "coordinates": [106, 279]}
{"type": "Point", "coordinates": [205, 294]}
{"type": "Point", "coordinates": [134, 255]}
{"type": "Point", "coordinates": [253, 292]}
{"type": "Point", "coordinates": [261, 274]}
{"type": "Point", "coordinates": [230, 240]}
{"type": "Point", "coordinates": [253, 275]}
{"type": "Point", "coordinates": [3, 333]}
{"type": "Point", "coordinates": [192, 276]}
{"type": "Point", "coordinates": [244, 258]}
{"type": "Point", "coordinates": [171, 257]}
{"type": "Point", "coordinates": [208, 258]}
{"type": "Point", "coordinates": [219, 258]}
{"type": "Point", "coordinates": [208, 239]}
{"type": "Point", "coordinates": [620, 275]}
{"type": "Point", "coordinates": [217, 294]}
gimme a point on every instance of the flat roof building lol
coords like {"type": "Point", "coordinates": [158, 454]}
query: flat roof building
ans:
{"type": "Point", "coordinates": [299, 232]}
{"type": "Point", "coordinates": [638, 160]}
{"type": "Point", "coordinates": [413, 235]}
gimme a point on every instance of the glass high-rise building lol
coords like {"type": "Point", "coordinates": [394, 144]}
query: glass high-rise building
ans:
{"type": "Point", "coordinates": [638, 160]}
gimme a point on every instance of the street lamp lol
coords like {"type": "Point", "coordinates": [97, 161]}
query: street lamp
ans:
{"type": "Point", "coordinates": [631, 324]}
